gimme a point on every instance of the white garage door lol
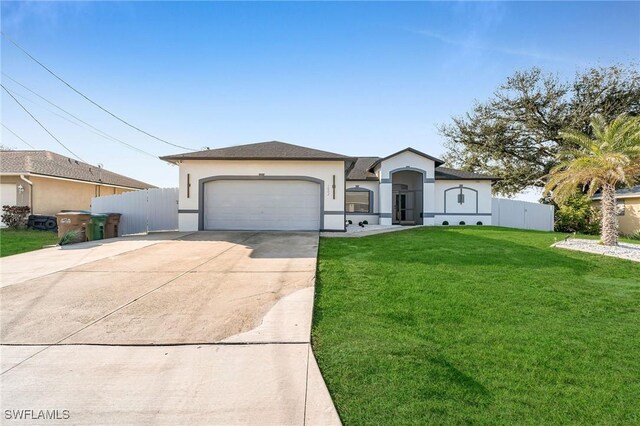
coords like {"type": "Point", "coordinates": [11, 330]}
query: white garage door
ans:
{"type": "Point", "coordinates": [7, 196]}
{"type": "Point", "coordinates": [262, 205]}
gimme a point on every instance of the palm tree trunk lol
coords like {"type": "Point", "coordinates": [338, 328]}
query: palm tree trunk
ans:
{"type": "Point", "coordinates": [609, 218]}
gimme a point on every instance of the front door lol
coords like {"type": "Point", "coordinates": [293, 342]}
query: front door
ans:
{"type": "Point", "coordinates": [403, 208]}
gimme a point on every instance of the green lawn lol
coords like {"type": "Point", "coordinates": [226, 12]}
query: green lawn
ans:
{"type": "Point", "coordinates": [20, 241]}
{"type": "Point", "coordinates": [476, 325]}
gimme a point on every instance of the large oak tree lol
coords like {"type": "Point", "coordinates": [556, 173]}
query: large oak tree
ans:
{"type": "Point", "coordinates": [516, 134]}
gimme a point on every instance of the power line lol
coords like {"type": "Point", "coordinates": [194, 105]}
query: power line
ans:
{"type": "Point", "coordinates": [96, 131]}
{"type": "Point", "coordinates": [90, 100]}
{"type": "Point", "coordinates": [40, 124]}
{"type": "Point", "coordinates": [16, 135]}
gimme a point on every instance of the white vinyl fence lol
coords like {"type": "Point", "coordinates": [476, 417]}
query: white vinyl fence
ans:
{"type": "Point", "coordinates": [142, 211]}
{"type": "Point", "coordinates": [521, 214]}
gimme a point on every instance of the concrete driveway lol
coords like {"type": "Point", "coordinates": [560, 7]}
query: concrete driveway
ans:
{"type": "Point", "coordinates": [205, 328]}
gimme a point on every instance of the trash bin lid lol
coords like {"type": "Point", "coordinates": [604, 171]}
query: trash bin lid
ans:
{"type": "Point", "coordinates": [73, 213]}
{"type": "Point", "coordinates": [99, 218]}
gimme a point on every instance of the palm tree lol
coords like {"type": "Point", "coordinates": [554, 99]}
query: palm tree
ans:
{"type": "Point", "coordinates": [607, 159]}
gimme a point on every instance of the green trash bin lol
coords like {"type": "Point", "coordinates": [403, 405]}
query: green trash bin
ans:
{"type": "Point", "coordinates": [95, 230]}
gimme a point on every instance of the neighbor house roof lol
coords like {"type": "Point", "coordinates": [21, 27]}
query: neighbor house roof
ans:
{"type": "Point", "coordinates": [273, 150]}
{"type": "Point", "coordinates": [623, 193]}
{"type": "Point", "coordinates": [47, 163]}
{"type": "Point", "coordinates": [415, 151]}
{"type": "Point", "coordinates": [455, 174]}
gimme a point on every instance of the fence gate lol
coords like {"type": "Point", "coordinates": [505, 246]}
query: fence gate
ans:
{"type": "Point", "coordinates": [521, 214]}
{"type": "Point", "coordinates": [142, 211]}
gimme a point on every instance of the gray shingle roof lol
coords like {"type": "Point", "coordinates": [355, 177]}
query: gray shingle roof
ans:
{"type": "Point", "coordinates": [360, 170]}
{"type": "Point", "coordinates": [455, 174]}
{"type": "Point", "coordinates": [273, 150]}
{"type": "Point", "coordinates": [51, 164]}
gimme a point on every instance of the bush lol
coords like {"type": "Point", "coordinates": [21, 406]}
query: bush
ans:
{"type": "Point", "coordinates": [445, 223]}
{"type": "Point", "coordinates": [70, 237]}
{"type": "Point", "coordinates": [15, 216]}
{"type": "Point", "coordinates": [366, 222]}
{"type": "Point", "coordinates": [462, 222]}
{"type": "Point", "coordinates": [577, 215]}
{"type": "Point", "coordinates": [633, 236]}
{"type": "Point", "coordinates": [479, 223]}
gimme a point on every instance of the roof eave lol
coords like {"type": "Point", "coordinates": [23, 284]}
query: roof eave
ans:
{"type": "Point", "coordinates": [370, 179]}
{"type": "Point", "coordinates": [173, 159]}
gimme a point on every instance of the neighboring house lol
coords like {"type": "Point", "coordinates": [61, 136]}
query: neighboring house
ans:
{"type": "Point", "coordinates": [279, 186]}
{"type": "Point", "coordinates": [48, 182]}
{"type": "Point", "coordinates": [628, 208]}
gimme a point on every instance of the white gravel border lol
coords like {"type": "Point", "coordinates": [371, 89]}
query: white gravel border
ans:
{"type": "Point", "coordinates": [622, 250]}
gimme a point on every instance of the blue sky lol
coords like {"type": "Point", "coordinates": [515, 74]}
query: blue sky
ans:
{"type": "Point", "coordinates": [355, 78]}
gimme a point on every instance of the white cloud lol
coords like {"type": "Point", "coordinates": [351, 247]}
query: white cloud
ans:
{"type": "Point", "coordinates": [474, 42]}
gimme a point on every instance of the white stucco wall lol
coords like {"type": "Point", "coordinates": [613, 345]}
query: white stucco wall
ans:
{"type": "Point", "coordinates": [404, 160]}
{"type": "Point", "coordinates": [324, 170]}
{"type": "Point", "coordinates": [374, 187]}
{"type": "Point", "coordinates": [469, 211]}
{"type": "Point", "coordinates": [407, 159]}
{"type": "Point", "coordinates": [434, 193]}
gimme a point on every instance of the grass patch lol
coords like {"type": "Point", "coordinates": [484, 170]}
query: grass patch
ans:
{"type": "Point", "coordinates": [19, 241]}
{"type": "Point", "coordinates": [476, 325]}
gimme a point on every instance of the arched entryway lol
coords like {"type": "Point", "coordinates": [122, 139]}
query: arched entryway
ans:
{"type": "Point", "coordinates": [406, 197]}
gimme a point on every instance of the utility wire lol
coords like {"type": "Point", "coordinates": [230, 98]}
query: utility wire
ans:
{"type": "Point", "coordinates": [90, 100]}
{"type": "Point", "coordinates": [16, 135]}
{"type": "Point", "coordinates": [39, 123]}
{"type": "Point", "coordinates": [96, 131]}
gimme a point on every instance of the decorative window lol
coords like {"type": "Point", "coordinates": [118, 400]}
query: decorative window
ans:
{"type": "Point", "coordinates": [358, 202]}
{"type": "Point", "coordinates": [620, 207]}
{"type": "Point", "coordinates": [461, 198]}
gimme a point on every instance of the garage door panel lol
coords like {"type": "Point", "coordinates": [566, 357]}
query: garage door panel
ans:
{"type": "Point", "coordinates": [262, 205]}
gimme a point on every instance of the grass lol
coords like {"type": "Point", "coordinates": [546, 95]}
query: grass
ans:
{"type": "Point", "coordinates": [23, 240]}
{"type": "Point", "coordinates": [476, 325]}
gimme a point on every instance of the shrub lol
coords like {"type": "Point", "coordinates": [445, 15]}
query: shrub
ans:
{"type": "Point", "coordinates": [366, 222]}
{"type": "Point", "coordinates": [462, 222]}
{"type": "Point", "coordinates": [15, 216]}
{"type": "Point", "coordinates": [633, 236]}
{"type": "Point", "coordinates": [445, 223]}
{"type": "Point", "coordinates": [70, 237]}
{"type": "Point", "coordinates": [479, 223]}
{"type": "Point", "coordinates": [577, 215]}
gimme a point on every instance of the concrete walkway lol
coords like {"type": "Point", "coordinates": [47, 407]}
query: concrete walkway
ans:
{"type": "Point", "coordinates": [206, 328]}
{"type": "Point", "coordinates": [355, 231]}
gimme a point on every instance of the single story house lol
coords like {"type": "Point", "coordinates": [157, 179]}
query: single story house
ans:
{"type": "Point", "coordinates": [280, 186]}
{"type": "Point", "coordinates": [49, 182]}
{"type": "Point", "coordinates": [628, 209]}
